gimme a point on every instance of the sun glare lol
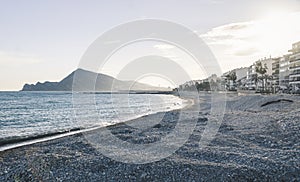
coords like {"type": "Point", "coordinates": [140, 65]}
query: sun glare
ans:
{"type": "Point", "coordinates": [275, 32]}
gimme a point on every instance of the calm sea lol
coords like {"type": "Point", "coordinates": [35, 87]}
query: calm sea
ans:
{"type": "Point", "coordinates": [30, 114]}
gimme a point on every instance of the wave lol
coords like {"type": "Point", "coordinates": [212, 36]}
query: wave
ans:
{"type": "Point", "coordinates": [11, 141]}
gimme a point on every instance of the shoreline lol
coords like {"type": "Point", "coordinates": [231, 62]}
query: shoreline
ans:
{"type": "Point", "coordinates": [253, 143]}
{"type": "Point", "coordinates": [20, 142]}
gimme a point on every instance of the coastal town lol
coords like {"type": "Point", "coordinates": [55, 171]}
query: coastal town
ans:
{"type": "Point", "coordinates": [267, 75]}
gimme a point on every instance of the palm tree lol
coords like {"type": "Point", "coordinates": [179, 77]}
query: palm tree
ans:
{"type": "Point", "coordinates": [231, 76]}
{"type": "Point", "coordinates": [255, 79]}
{"type": "Point", "coordinates": [262, 70]}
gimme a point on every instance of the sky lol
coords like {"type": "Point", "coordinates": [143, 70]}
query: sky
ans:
{"type": "Point", "coordinates": [45, 40]}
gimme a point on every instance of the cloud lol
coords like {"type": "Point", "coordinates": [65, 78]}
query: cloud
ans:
{"type": "Point", "coordinates": [267, 36]}
{"type": "Point", "coordinates": [228, 34]}
{"type": "Point", "coordinates": [245, 51]}
{"type": "Point", "coordinates": [237, 39]}
{"type": "Point", "coordinates": [17, 59]}
{"type": "Point", "coordinates": [242, 43]}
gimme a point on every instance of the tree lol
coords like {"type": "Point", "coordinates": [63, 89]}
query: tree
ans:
{"type": "Point", "coordinates": [205, 86]}
{"type": "Point", "coordinates": [231, 77]}
{"type": "Point", "coordinates": [262, 70]}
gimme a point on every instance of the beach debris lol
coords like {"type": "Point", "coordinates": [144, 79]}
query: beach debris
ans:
{"type": "Point", "coordinates": [276, 101]}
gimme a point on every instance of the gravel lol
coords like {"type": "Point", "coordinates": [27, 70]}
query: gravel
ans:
{"type": "Point", "coordinates": [253, 143]}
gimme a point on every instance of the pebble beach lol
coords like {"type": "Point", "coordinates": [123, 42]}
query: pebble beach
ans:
{"type": "Point", "coordinates": [258, 140]}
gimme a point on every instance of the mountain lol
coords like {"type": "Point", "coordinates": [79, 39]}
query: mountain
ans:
{"type": "Point", "coordinates": [89, 81]}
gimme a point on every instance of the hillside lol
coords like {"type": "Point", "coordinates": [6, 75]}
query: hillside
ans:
{"type": "Point", "coordinates": [88, 81]}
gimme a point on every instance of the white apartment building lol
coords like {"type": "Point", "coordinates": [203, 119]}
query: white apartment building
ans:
{"type": "Point", "coordinates": [294, 78]}
{"type": "Point", "coordinates": [284, 71]}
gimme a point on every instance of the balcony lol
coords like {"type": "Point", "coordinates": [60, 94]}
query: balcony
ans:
{"type": "Point", "coordinates": [276, 72]}
{"type": "Point", "coordinates": [295, 58]}
{"type": "Point", "coordinates": [296, 72]}
{"type": "Point", "coordinates": [293, 83]}
{"type": "Point", "coordinates": [295, 75]}
{"type": "Point", "coordinates": [296, 66]}
{"type": "Point", "coordinates": [295, 79]}
{"type": "Point", "coordinates": [292, 60]}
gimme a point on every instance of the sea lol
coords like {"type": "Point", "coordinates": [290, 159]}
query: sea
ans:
{"type": "Point", "coordinates": [32, 115]}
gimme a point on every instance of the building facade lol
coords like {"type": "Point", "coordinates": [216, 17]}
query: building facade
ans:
{"type": "Point", "coordinates": [241, 73]}
{"type": "Point", "coordinates": [294, 78]}
{"type": "Point", "coordinates": [251, 79]}
{"type": "Point", "coordinates": [275, 72]}
{"type": "Point", "coordinates": [284, 72]}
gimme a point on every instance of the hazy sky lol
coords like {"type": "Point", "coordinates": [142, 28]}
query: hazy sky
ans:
{"type": "Point", "coordinates": [44, 40]}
